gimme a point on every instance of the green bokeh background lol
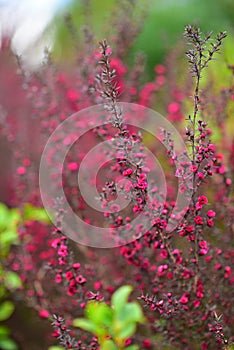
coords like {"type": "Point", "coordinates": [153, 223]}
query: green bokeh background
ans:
{"type": "Point", "coordinates": [162, 27]}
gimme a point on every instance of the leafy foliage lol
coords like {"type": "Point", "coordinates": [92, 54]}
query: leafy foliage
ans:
{"type": "Point", "coordinates": [113, 324]}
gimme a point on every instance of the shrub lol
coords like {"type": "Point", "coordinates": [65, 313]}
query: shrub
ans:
{"type": "Point", "coordinates": [183, 277]}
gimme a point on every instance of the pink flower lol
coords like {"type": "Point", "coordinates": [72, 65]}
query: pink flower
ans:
{"type": "Point", "coordinates": [202, 200]}
{"type": "Point", "coordinates": [58, 278]}
{"type": "Point", "coordinates": [173, 107]}
{"type": "Point", "coordinates": [80, 279]}
{"type": "Point", "coordinates": [204, 247]}
{"type": "Point", "coordinates": [211, 213]}
{"type": "Point", "coordinates": [69, 275]}
{"type": "Point", "coordinates": [147, 343]}
{"type": "Point", "coordinates": [63, 250]}
{"type": "Point", "coordinates": [72, 166]}
{"type": "Point", "coordinates": [44, 313]}
{"type": "Point", "coordinates": [196, 303]}
{"type": "Point", "coordinates": [76, 266]}
{"type": "Point", "coordinates": [201, 175]}
{"type": "Point", "coordinates": [218, 266]}
{"type": "Point", "coordinates": [127, 172]}
{"type": "Point", "coordinates": [97, 285]}
{"type": "Point", "coordinates": [72, 95]}
{"type": "Point", "coordinates": [198, 220]}
{"type": "Point", "coordinates": [193, 168]}
{"type": "Point", "coordinates": [210, 223]}
{"type": "Point", "coordinates": [21, 170]}
{"type": "Point", "coordinates": [160, 69]}
{"type": "Point", "coordinates": [228, 271]}
{"type": "Point", "coordinates": [211, 148]}
{"type": "Point", "coordinates": [184, 299]}
{"type": "Point", "coordinates": [164, 253]}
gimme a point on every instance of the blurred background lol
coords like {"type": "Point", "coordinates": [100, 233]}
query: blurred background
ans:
{"type": "Point", "coordinates": [33, 25]}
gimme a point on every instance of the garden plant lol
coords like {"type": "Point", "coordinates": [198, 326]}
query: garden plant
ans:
{"type": "Point", "coordinates": [147, 261]}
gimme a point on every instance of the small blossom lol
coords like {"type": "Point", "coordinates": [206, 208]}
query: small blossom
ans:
{"type": "Point", "coordinates": [184, 299]}
{"type": "Point", "coordinates": [80, 279]}
{"type": "Point", "coordinates": [211, 213]}
{"type": "Point", "coordinates": [147, 343]}
{"type": "Point", "coordinates": [44, 313]}
{"type": "Point", "coordinates": [202, 200]}
{"type": "Point", "coordinates": [72, 166]}
{"type": "Point", "coordinates": [69, 275]}
{"type": "Point", "coordinates": [63, 251]}
{"type": "Point", "coordinates": [21, 170]}
{"type": "Point", "coordinates": [58, 278]}
{"type": "Point", "coordinates": [198, 220]}
{"type": "Point", "coordinates": [127, 172]}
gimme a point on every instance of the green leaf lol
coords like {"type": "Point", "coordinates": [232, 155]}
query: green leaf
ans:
{"type": "Point", "coordinates": [8, 237]}
{"type": "Point", "coordinates": [131, 312]}
{"type": "Point", "coordinates": [108, 345]}
{"type": "Point", "coordinates": [55, 348]}
{"type": "Point", "coordinates": [126, 331]}
{"type": "Point", "coordinates": [32, 213]}
{"type": "Point", "coordinates": [133, 347]}
{"type": "Point", "coordinates": [2, 291]}
{"type": "Point", "coordinates": [4, 332]}
{"type": "Point", "coordinates": [120, 297]}
{"type": "Point", "coordinates": [4, 216]}
{"type": "Point", "coordinates": [12, 280]}
{"type": "Point", "coordinates": [6, 310]}
{"type": "Point", "coordinates": [86, 325]}
{"type": "Point", "coordinates": [8, 344]}
{"type": "Point", "coordinates": [99, 313]}
{"type": "Point", "coordinates": [14, 218]}
{"type": "Point", "coordinates": [231, 347]}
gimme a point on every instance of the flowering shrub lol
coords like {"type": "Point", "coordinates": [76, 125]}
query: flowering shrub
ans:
{"type": "Point", "coordinates": [181, 273]}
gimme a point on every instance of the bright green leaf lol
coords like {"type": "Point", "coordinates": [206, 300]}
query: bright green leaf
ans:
{"type": "Point", "coordinates": [133, 347]}
{"type": "Point", "coordinates": [12, 280]}
{"type": "Point", "coordinates": [99, 313]}
{"type": "Point", "coordinates": [8, 237]}
{"type": "Point", "coordinates": [4, 331]}
{"type": "Point", "coordinates": [126, 331]}
{"type": "Point", "coordinates": [14, 217]}
{"type": "Point", "coordinates": [120, 297]}
{"type": "Point", "coordinates": [34, 213]}
{"type": "Point", "coordinates": [108, 345]}
{"type": "Point", "coordinates": [131, 312]}
{"type": "Point", "coordinates": [55, 348]}
{"type": "Point", "coordinates": [6, 310]}
{"type": "Point", "coordinates": [8, 344]}
{"type": "Point", "coordinates": [87, 325]}
{"type": "Point", "coordinates": [4, 216]}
